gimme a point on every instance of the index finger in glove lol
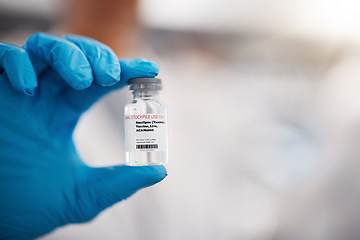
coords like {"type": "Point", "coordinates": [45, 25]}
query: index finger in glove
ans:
{"type": "Point", "coordinates": [19, 70]}
{"type": "Point", "coordinates": [63, 56]}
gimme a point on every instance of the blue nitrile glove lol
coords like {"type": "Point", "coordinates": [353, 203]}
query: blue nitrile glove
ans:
{"type": "Point", "coordinates": [44, 88]}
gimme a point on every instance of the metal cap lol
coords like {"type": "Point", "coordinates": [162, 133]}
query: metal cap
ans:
{"type": "Point", "coordinates": [145, 83]}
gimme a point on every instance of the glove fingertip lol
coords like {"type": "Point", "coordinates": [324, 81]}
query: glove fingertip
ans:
{"type": "Point", "coordinates": [30, 91]}
{"type": "Point", "coordinates": [20, 70]}
{"type": "Point", "coordinates": [138, 177]}
{"type": "Point", "coordinates": [148, 67]}
{"type": "Point", "coordinates": [137, 68]}
{"type": "Point", "coordinates": [150, 175]}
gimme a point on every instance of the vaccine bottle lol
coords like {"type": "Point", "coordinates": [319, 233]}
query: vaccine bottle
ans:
{"type": "Point", "coordinates": [146, 138]}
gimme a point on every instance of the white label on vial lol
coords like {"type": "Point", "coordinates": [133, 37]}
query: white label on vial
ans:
{"type": "Point", "coordinates": [146, 132]}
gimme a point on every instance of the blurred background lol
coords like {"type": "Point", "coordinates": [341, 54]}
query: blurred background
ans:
{"type": "Point", "coordinates": [264, 114]}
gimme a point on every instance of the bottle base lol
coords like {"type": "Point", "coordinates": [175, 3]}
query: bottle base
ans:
{"type": "Point", "coordinates": [146, 158]}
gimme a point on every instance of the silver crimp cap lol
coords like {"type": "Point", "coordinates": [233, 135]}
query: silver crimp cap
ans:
{"type": "Point", "coordinates": [145, 84]}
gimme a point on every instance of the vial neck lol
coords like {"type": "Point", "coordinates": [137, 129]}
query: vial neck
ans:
{"type": "Point", "coordinates": [142, 94]}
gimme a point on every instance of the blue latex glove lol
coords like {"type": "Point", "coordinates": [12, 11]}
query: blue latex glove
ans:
{"type": "Point", "coordinates": [44, 88]}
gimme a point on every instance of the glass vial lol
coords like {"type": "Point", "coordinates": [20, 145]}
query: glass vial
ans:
{"type": "Point", "coordinates": [146, 140]}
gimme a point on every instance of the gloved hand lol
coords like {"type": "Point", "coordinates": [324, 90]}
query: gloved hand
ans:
{"type": "Point", "coordinates": [44, 88]}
